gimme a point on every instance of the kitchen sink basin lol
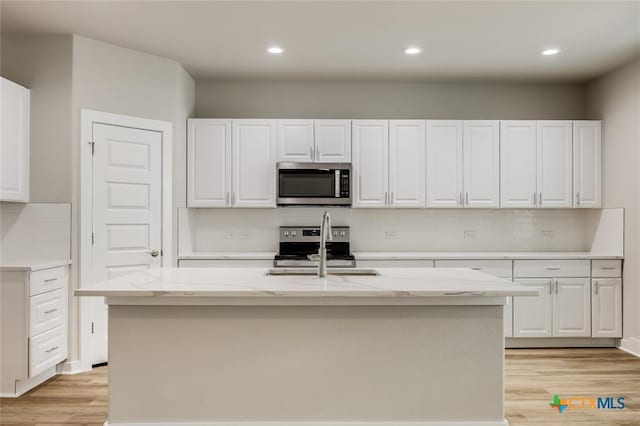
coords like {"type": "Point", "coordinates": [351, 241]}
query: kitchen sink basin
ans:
{"type": "Point", "coordinates": [330, 271]}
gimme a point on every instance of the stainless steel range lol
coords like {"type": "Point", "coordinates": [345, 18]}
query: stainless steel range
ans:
{"type": "Point", "coordinates": [298, 242]}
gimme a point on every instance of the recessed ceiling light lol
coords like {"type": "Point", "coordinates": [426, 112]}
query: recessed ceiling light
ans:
{"type": "Point", "coordinates": [549, 52]}
{"type": "Point", "coordinates": [413, 50]}
{"type": "Point", "coordinates": [276, 50]}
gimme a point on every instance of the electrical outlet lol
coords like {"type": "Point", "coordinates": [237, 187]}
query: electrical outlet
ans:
{"type": "Point", "coordinates": [244, 235]}
{"type": "Point", "coordinates": [390, 235]}
{"type": "Point", "coordinates": [469, 235]}
{"type": "Point", "coordinates": [547, 234]}
{"type": "Point", "coordinates": [228, 235]}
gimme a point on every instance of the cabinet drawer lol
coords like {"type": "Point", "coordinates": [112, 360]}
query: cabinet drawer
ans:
{"type": "Point", "coordinates": [47, 280]}
{"type": "Point", "coordinates": [47, 349]}
{"type": "Point", "coordinates": [47, 311]}
{"type": "Point", "coordinates": [606, 268]}
{"type": "Point", "coordinates": [551, 268]}
{"type": "Point", "coordinates": [498, 268]}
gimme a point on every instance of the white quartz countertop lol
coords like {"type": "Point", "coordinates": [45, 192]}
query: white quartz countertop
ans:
{"type": "Point", "coordinates": [31, 265]}
{"type": "Point", "coordinates": [162, 283]}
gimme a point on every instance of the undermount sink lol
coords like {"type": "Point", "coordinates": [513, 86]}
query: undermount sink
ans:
{"type": "Point", "coordinates": [330, 271]}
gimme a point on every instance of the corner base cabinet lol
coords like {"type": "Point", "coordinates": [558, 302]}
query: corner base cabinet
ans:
{"type": "Point", "coordinates": [34, 327]}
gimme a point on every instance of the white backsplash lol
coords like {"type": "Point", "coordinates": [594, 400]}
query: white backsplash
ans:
{"type": "Point", "coordinates": [410, 230]}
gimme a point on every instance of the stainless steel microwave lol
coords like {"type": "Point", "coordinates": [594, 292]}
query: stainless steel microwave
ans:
{"type": "Point", "coordinates": [301, 184]}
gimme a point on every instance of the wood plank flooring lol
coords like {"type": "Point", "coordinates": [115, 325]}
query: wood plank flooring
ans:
{"type": "Point", "coordinates": [533, 376]}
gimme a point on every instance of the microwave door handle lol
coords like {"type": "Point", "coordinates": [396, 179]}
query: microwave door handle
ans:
{"type": "Point", "coordinates": [337, 184]}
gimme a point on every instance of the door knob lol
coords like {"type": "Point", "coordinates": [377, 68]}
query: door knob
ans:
{"type": "Point", "coordinates": [154, 253]}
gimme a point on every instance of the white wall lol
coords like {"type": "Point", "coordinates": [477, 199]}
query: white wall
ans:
{"type": "Point", "coordinates": [43, 64]}
{"type": "Point", "coordinates": [615, 98]}
{"type": "Point", "coordinates": [456, 100]}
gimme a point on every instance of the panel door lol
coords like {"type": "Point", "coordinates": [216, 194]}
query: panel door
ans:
{"type": "Point", "coordinates": [370, 163]}
{"type": "Point", "coordinates": [295, 140]}
{"type": "Point", "coordinates": [572, 307]}
{"type": "Point", "coordinates": [587, 164]}
{"type": "Point", "coordinates": [555, 164]}
{"type": "Point", "coordinates": [333, 141]}
{"type": "Point", "coordinates": [14, 142]}
{"type": "Point", "coordinates": [481, 155]}
{"type": "Point", "coordinates": [444, 163]}
{"type": "Point", "coordinates": [532, 316]}
{"type": "Point", "coordinates": [606, 314]}
{"type": "Point", "coordinates": [208, 163]}
{"type": "Point", "coordinates": [254, 163]}
{"type": "Point", "coordinates": [407, 145]}
{"type": "Point", "coordinates": [127, 203]}
{"type": "Point", "coordinates": [518, 164]}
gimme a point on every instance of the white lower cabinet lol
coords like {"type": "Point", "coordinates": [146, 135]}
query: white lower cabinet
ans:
{"type": "Point", "coordinates": [532, 316]}
{"type": "Point", "coordinates": [606, 307]}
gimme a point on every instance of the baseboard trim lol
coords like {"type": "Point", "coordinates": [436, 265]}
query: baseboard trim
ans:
{"type": "Point", "coordinates": [439, 423]}
{"type": "Point", "coordinates": [72, 367]}
{"type": "Point", "coordinates": [560, 342]}
{"type": "Point", "coordinates": [631, 346]}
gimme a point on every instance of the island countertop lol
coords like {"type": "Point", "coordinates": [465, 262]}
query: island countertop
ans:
{"type": "Point", "coordinates": [242, 285]}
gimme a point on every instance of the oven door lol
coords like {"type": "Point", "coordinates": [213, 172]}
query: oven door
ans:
{"type": "Point", "coordinates": [312, 184]}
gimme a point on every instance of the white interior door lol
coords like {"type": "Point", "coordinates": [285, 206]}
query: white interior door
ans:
{"type": "Point", "coordinates": [481, 164]}
{"type": "Point", "coordinates": [127, 210]}
{"type": "Point", "coordinates": [444, 163]}
{"type": "Point", "coordinates": [518, 164]}
{"type": "Point", "coordinates": [407, 163]}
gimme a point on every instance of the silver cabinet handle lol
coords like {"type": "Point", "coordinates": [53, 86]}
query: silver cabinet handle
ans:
{"type": "Point", "coordinates": [50, 311]}
{"type": "Point", "coordinates": [154, 253]}
{"type": "Point", "coordinates": [461, 201]}
{"type": "Point", "coordinates": [551, 287]}
{"type": "Point", "coordinates": [391, 202]}
{"type": "Point", "coordinates": [476, 269]}
{"type": "Point", "coordinates": [539, 198]}
{"type": "Point", "coordinates": [317, 154]}
{"type": "Point", "coordinates": [48, 280]}
{"type": "Point", "coordinates": [577, 198]}
{"type": "Point", "coordinates": [466, 198]}
{"type": "Point", "coordinates": [597, 287]}
{"type": "Point", "coordinates": [226, 199]}
{"type": "Point", "coordinates": [386, 198]}
{"type": "Point", "coordinates": [52, 349]}
{"type": "Point", "coordinates": [608, 268]}
{"type": "Point", "coordinates": [552, 269]}
{"type": "Point", "coordinates": [557, 287]}
{"type": "Point", "coordinates": [535, 199]}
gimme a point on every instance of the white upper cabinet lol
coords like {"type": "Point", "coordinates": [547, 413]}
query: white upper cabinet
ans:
{"type": "Point", "coordinates": [295, 140]}
{"type": "Point", "coordinates": [14, 142]}
{"type": "Point", "coordinates": [587, 163]}
{"type": "Point", "coordinates": [481, 171]}
{"type": "Point", "coordinates": [208, 163]}
{"type": "Point", "coordinates": [555, 163]}
{"type": "Point", "coordinates": [444, 163]}
{"type": "Point", "coordinates": [518, 164]}
{"type": "Point", "coordinates": [370, 163]}
{"type": "Point", "coordinates": [333, 141]}
{"type": "Point", "coordinates": [254, 163]}
{"type": "Point", "coordinates": [572, 307]}
{"type": "Point", "coordinates": [407, 163]}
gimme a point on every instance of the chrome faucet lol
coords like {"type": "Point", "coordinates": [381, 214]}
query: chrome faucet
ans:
{"type": "Point", "coordinates": [325, 235]}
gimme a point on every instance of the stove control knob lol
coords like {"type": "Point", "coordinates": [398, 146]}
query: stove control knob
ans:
{"type": "Point", "coordinates": [342, 233]}
{"type": "Point", "coordinates": [293, 233]}
{"type": "Point", "coordinates": [335, 233]}
{"type": "Point", "coordinates": [286, 233]}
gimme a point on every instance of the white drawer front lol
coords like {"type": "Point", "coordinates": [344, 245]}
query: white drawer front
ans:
{"type": "Point", "coordinates": [47, 311]}
{"type": "Point", "coordinates": [551, 268]}
{"type": "Point", "coordinates": [606, 269]}
{"type": "Point", "coordinates": [47, 280]}
{"type": "Point", "coordinates": [47, 349]}
{"type": "Point", "coordinates": [498, 268]}
{"type": "Point", "coordinates": [394, 263]}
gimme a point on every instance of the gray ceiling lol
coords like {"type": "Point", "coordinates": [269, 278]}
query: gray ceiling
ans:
{"type": "Point", "coordinates": [343, 40]}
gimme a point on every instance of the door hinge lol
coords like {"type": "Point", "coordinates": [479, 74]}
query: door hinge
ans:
{"type": "Point", "coordinates": [92, 328]}
{"type": "Point", "coordinates": [93, 147]}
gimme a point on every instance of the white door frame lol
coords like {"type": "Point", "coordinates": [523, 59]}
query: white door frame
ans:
{"type": "Point", "coordinates": [87, 119]}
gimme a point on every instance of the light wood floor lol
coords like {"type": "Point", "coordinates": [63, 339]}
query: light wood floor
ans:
{"type": "Point", "coordinates": [533, 376]}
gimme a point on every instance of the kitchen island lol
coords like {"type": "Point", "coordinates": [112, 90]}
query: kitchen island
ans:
{"type": "Point", "coordinates": [229, 346]}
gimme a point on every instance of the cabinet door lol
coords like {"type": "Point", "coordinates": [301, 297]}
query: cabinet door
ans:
{"type": "Point", "coordinates": [587, 159]}
{"type": "Point", "coordinates": [555, 159]}
{"type": "Point", "coordinates": [333, 141]}
{"type": "Point", "coordinates": [407, 163]}
{"type": "Point", "coordinates": [572, 307]}
{"type": "Point", "coordinates": [254, 163]}
{"type": "Point", "coordinates": [532, 315]}
{"type": "Point", "coordinates": [481, 164]}
{"type": "Point", "coordinates": [444, 163]}
{"type": "Point", "coordinates": [518, 164]}
{"type": "Point", "coordinates": [295, 140]}
{"type": "Point", "coordinates": [508, 318]}
{"type": "Point", "coordinates": [14, 142]}
{"type": "Point", "coordinates": [208, 163]}
{"type": "Point", "coordinates": [606, 315]}
{"type": "Point", "coordinates": [370, 163]}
